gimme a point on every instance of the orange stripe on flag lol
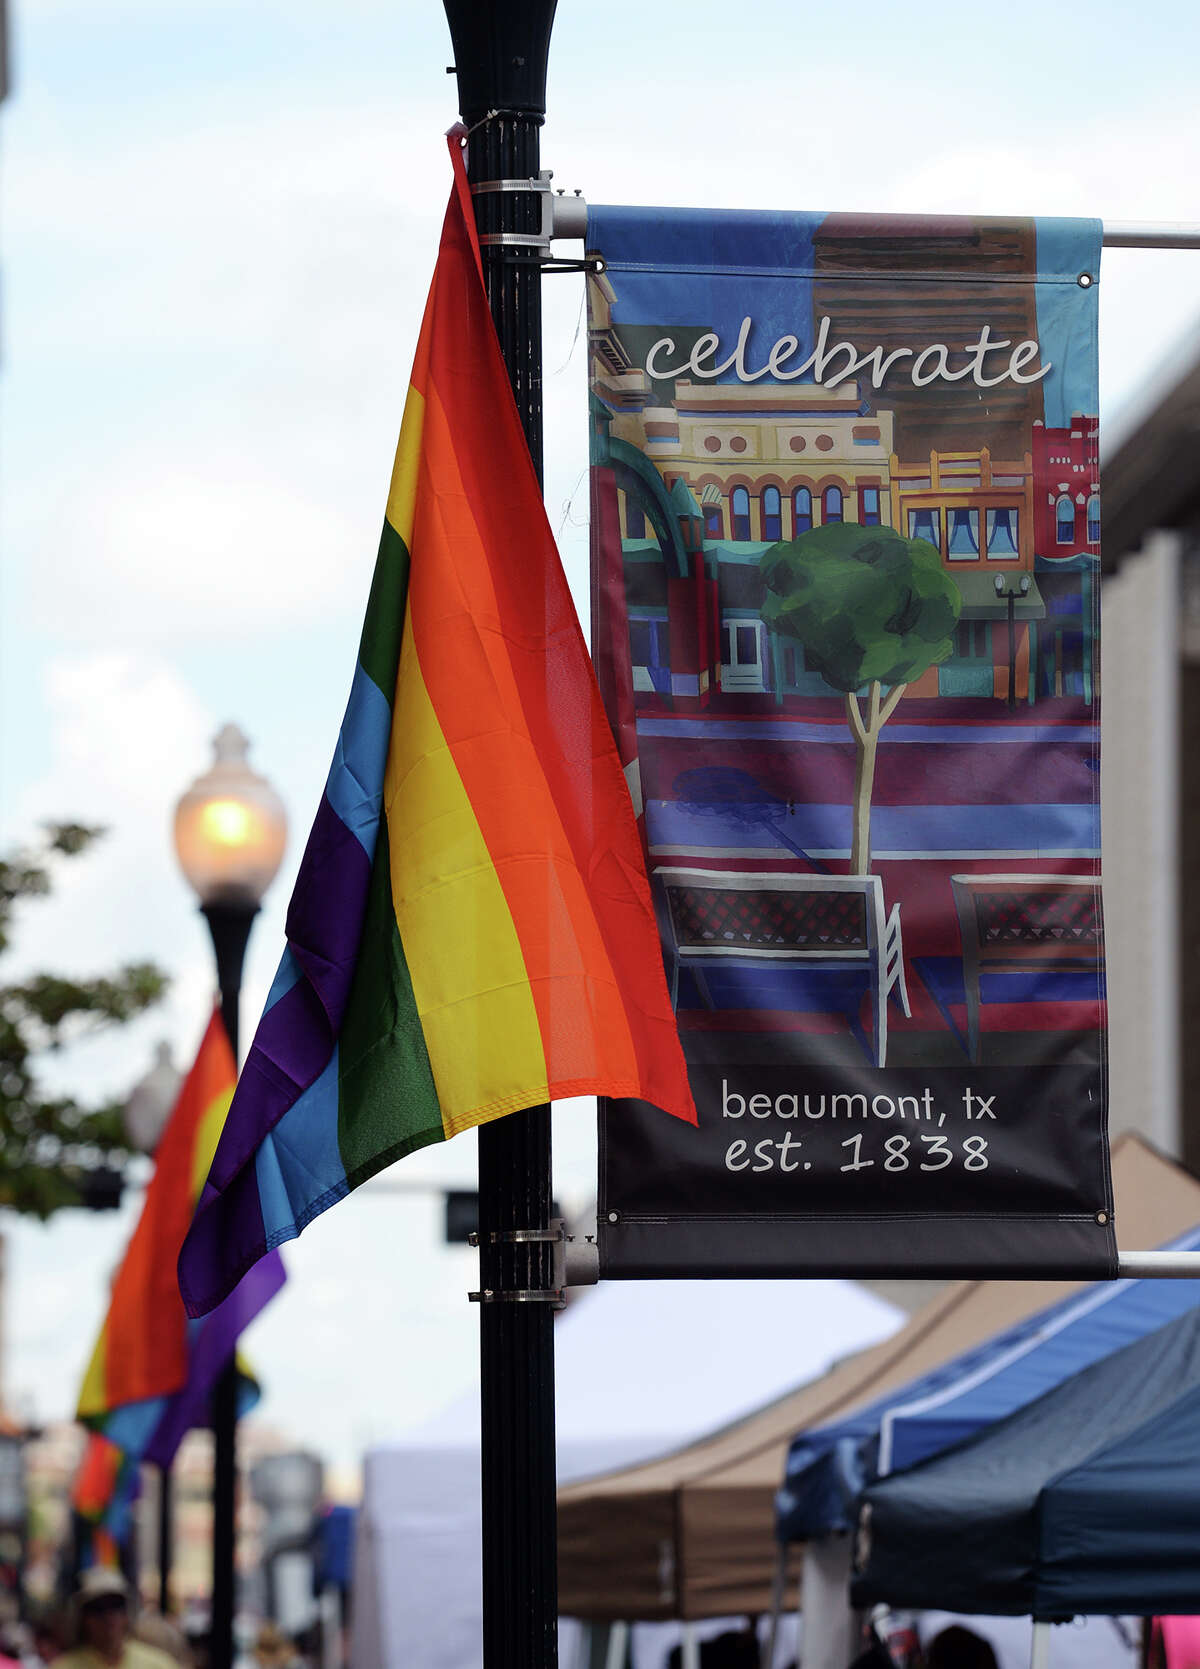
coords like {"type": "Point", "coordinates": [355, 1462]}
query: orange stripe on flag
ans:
{"type": "Point", "coordinates": [466, 652]}
{"type": "Point", "coordinates": [144, 1342]}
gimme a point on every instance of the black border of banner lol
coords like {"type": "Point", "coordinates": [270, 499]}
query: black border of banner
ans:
{"type": "Point", "coordinates": [656, 1238]}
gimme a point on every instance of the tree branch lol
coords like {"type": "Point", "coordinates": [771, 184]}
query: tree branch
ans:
{"type": "Point", "coordinates": [890, 705]}
{"type": "Point", "coordinates": [855, 718]}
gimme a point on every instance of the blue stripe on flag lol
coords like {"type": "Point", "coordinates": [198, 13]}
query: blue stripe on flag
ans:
{"type": "Point", "coordinates": [131, 1425]}
{"type": "Point", "coordinates": [286, 975]}
{"type": "Point", "coordinates": [299, 1163]}
{"type": "Point", "coordinates": [355, 785]}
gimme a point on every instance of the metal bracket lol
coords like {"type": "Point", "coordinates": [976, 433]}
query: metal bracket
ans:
{"type": "Point", "coordinates": [555, 263]}
{"type": "Point", "coordinates": [561, 216]}
{"type": "Point", "coordinates": [522, 1237]}
{"type": "Point", "coordinates": [521, 1295]}
{"type": "Point", "coordinates": [576, 1263]}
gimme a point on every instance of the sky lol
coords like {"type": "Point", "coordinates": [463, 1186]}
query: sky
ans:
{"type": "Point", "coordinates": [219, 221]}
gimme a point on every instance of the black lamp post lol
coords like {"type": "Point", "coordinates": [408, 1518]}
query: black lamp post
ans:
{"type": "Point", "coordinates": [230, 831]}
{"type": "Point", "coordinates": [1010, 596]}
{"type": "Point", "coordinates": [500, 56]}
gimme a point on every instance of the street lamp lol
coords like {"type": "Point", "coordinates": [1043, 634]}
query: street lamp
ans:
{"type": "Point", "coordinates": [150, 1101]}
{"type": "Point", "coordinates": [230, 832]}
{"type": "Point", "coordinates": [1010, 596]}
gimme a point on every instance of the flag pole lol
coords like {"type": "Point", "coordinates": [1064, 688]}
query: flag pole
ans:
{"type": "Point", "coordinates": [230, 924]}
{"type": "Point", "coordinates": [501, 51]}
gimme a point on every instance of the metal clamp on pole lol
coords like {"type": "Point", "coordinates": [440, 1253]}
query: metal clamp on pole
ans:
{"type": "Point", "coordinates": [521, 1237]}
{"type": "Point", "coordinates": [561, 217]}
{"type": "Point", "coordinates": [576, 1263]}
{"type": "Point", "coordinates": [521, 240]}
{"type": "Point", "coordinates": [521, 1295]}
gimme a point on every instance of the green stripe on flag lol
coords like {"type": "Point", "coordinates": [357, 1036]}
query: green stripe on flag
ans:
{"type": "Point", "coordinates": [387, 1103]}
{"type": "Point", "coordinates": [383, 626]}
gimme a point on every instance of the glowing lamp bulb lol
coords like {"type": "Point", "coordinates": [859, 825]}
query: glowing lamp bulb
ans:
{"type": "Point", "coordinates": [230, 827]}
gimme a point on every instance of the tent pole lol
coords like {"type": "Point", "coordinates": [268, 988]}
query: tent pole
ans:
{"type": "Point", "coordinates": [1039, 1654]}
{"type": "Point", "coordinates": [778, 1591]}
{"type": "Point", "coordinates": [618, 1646]}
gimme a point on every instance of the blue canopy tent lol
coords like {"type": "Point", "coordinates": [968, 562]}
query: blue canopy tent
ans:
{"type": "Point", "coordinates": [828, 1468]}
{"type": "Point", "coordinates": [1085, 1502]}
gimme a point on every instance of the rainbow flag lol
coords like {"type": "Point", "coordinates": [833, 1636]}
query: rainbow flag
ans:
{"type": "Point", "coordinates": [471, 931]}
{"type": "Point", "coordinates": [95, 1483]}
{"type": "Point", "coordinates": [152, 1370]}
{"type": "Point", "coordinates": [104, 1489]}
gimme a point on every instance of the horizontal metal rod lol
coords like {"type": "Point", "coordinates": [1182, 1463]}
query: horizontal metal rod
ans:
{"type": "Point", "coordinates": [1151, 234]}
{"type": "Point", "coordinates": [571, 213]}
{"type": "Point", "coordinates": [1178, 1264]}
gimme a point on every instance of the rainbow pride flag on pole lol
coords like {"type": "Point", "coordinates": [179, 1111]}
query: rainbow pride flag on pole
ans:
{"type": "Point", "coordinates": [152, 1371]}
{"type": "Point", "coordinates": [103, 1492]}
{"type": "Point", "coordinates": [471, 930]}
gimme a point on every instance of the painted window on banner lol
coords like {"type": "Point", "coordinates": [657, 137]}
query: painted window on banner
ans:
{"type": "Point", "coordinates": [740, 513]}
{"type": "Point", "coordinates": [772, 514]}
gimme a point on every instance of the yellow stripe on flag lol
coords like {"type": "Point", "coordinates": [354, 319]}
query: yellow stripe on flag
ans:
{"type": "Point", "coordinates": [402, 494]}
{"type": "Point", "coordinates": [208, 1134]}
{"type": "Point", "coordinates": [92, 1396]}
{"type": "Point", "coordinates": [464, 957]}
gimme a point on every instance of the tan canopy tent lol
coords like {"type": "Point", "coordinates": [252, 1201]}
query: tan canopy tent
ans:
{"type": "Point", "coordinates": [692, 1535]}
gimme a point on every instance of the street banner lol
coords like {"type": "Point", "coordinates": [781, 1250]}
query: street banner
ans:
{"type": "Point", "coordinates": [845, 570]}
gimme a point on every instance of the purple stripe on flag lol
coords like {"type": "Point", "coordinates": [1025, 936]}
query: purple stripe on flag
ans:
{"type": "Point", "coordinates": [296, 1035]}
{"type": "Point", "coordinates": [210, 1346]}
{"type": "Point", "coordinates": [291, 1048]}
{"type": "Point", "coordinates": [224, 1242]}
{"type": "Point", "coordinates": [325, 916]}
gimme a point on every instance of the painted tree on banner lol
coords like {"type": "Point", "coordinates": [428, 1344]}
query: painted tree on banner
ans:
{"type": "Point", "coordinates": [873, 611]}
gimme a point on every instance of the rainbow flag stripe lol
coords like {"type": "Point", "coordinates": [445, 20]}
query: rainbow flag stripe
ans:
{"type": "Point", "coordinates": [152, 1369]}
{"type": "Point", "coordinates": [95, 1483]}
{"type": "Point", "coordinates": [471, 930]}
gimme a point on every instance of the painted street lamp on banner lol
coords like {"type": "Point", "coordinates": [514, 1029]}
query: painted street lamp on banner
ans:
{"type": "Point", "coordinates": [230, 832]}
{"type": "Point", "coordinates": [1010, 596]}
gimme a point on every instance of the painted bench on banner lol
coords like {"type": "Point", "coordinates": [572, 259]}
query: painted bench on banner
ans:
{"type": "Point", "coordinates": [823, 923]}
{"type": "Point", "coordinates": [1025, 924]}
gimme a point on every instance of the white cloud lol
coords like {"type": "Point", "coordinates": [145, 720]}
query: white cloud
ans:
{"type": "Point", "coordinates": [183, 548]}
{"type": "Point", "coordinates": [121, 727]}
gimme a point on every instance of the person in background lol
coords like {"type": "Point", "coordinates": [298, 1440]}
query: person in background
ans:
{"type": "Point", "coordinates": [46, 1641]}
{"type": "Point", "coordinates": [1175, 1643]}
{"type": "Point", "coordinates": [102, 1609]}
{"type": "Point", "coordinates": [153, 1629]}
{"type": "Point", "coordinates": [273, 1649]}
{"type": "Point", "coordinates": [959, 1648]}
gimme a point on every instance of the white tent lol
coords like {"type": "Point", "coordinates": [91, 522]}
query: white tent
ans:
{"type": "Point", "coordinates": [639, 1366]}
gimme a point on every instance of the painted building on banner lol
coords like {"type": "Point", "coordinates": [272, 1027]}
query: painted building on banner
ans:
{"type": "Point", "coordinates": [950, 265]}
{"type": "Point", "coordinates": [977, 512]}
{"type": "Point", "coordinates": [1066, 476]}
{"type": "Point", "coordinates": [710, 475]}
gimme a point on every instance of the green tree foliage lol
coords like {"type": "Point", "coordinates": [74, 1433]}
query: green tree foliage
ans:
{"type": "Point", "coordinates": [873, 611]}
{"type": "Point", "coordinates": [50, 1146]}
